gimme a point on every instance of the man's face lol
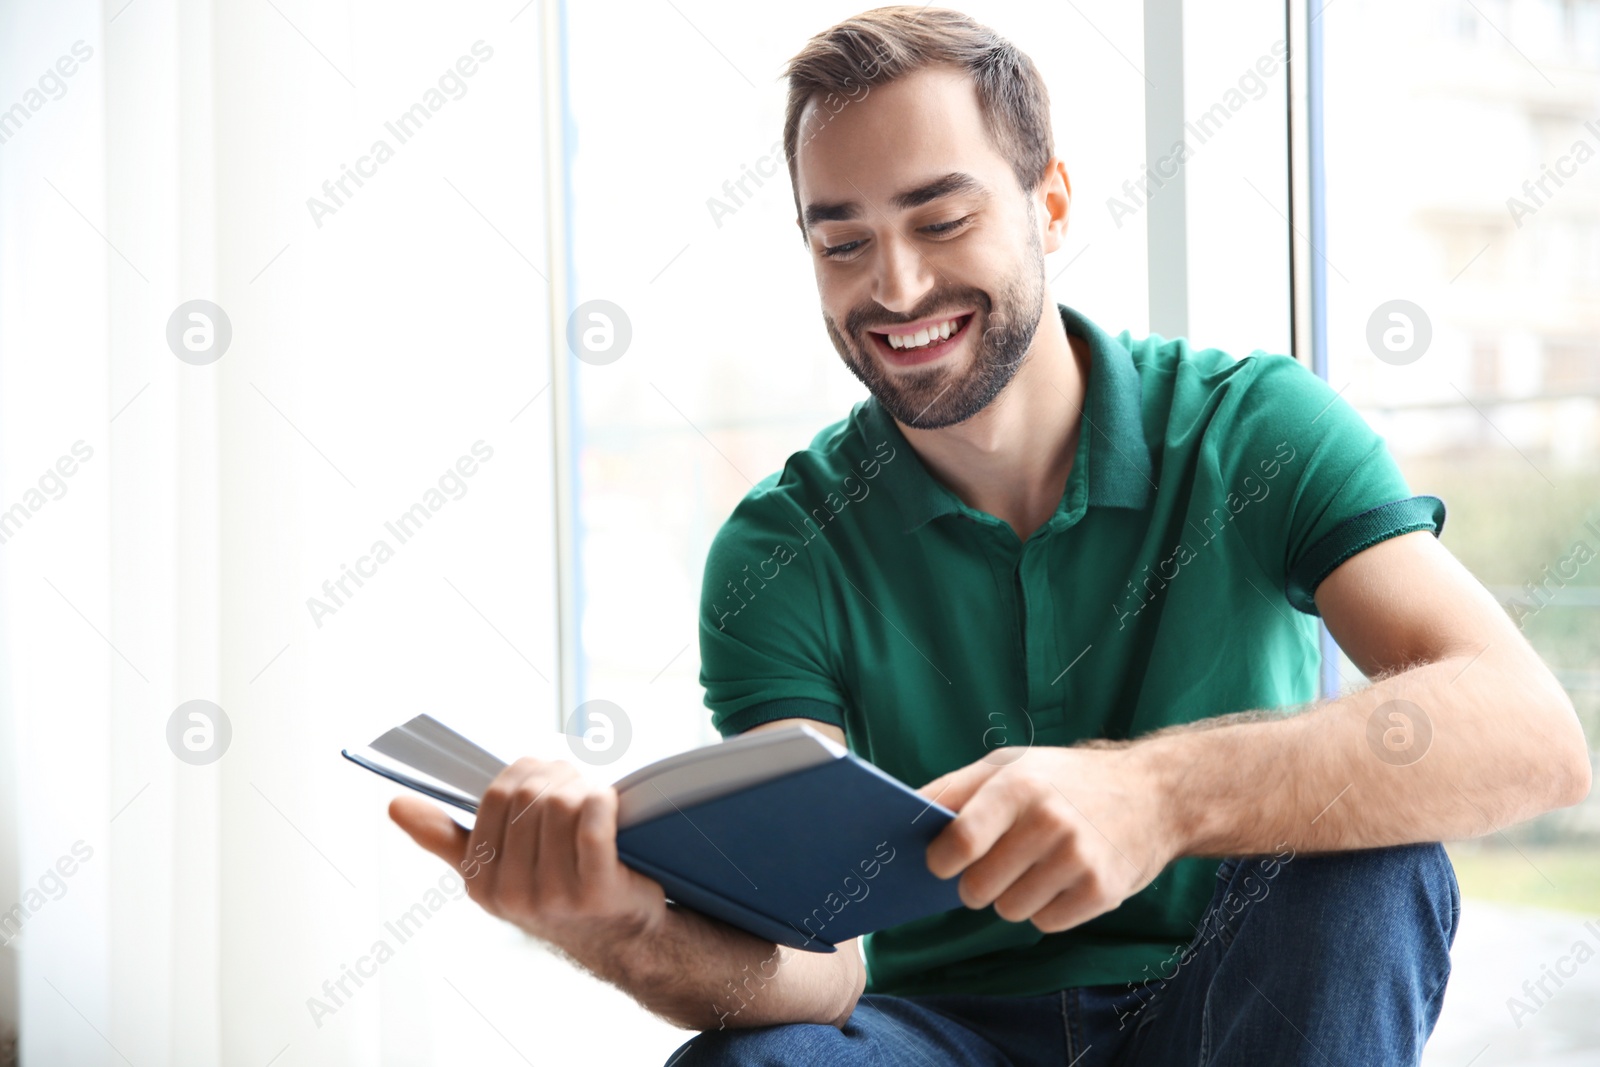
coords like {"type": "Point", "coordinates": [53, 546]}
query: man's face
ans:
{"type": "Point", "coordinates": [928, 256]}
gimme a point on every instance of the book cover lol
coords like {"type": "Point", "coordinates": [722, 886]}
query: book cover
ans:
{"type": "Point", "coordinates": [782, 833]}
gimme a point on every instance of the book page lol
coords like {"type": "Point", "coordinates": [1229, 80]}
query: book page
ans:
{"type": "Point", "coordinates": [715, 770]}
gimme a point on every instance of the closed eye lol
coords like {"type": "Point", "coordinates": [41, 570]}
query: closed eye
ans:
{"type": "Point", "coordinates": [943, 228]}
{"type": "Point", "coordinates": [937, 229]}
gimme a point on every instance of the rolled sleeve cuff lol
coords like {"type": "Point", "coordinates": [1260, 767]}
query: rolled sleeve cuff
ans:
{"type": "Point", "coordinates": [772, 710]}
{"type": "Point", "coordinates": [1356, 534]}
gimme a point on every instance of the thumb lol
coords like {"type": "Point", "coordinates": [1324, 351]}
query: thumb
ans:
{"type": "Point", "coordinates": [954, 789]}
{"type": "Point", "coordinates": [430, 827]}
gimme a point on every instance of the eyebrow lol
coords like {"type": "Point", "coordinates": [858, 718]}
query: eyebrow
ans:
{"type": "Point", "coordinates": [950, 184]}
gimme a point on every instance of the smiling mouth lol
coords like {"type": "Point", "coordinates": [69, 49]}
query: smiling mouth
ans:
{"type": "Point", "coordinates": [920, 342]}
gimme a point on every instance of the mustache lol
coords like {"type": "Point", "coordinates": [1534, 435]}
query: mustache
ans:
{"type": "Point", "coordinates": [862, 319]}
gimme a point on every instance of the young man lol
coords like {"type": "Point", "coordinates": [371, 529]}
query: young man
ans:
{"type": "Point", "coordinates": [1069, 581]}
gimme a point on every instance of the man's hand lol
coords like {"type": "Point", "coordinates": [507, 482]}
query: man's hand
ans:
{"type": "Point", "coordinates": [543, 855]}
{"type": "Point", "coordinates": [1058, 836]}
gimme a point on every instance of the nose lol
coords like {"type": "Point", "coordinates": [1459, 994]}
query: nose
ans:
{"type": "Point", "coordinates": [902, 276]}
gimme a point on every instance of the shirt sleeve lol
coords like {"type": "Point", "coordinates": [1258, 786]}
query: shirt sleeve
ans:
{"type": "Point", "coordinates": [1320, 481]}
{"type": "Point", "coordinates": [764, 648]}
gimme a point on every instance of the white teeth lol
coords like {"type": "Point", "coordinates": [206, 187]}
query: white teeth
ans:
{"type": "Point", "coordinates": [922, 337]}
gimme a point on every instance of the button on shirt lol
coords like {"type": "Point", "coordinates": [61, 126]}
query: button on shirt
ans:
{"type": "Point", "coordinates": [1208, 497]}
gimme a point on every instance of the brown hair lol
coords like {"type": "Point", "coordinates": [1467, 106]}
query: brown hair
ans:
{"type": "Point", "coordinates": [876, 47]}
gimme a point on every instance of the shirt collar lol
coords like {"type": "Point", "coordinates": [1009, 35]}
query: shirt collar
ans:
{"type": "Point", "coordinates": [1112, 443]}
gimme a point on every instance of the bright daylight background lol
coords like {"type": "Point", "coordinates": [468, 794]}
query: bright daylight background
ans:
{"type": "Point", "coordinates": [375, 345]}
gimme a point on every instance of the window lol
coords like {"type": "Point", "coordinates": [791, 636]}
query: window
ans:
{"type": "Point", "coordinates": [729, 369]}
{"type": "Point", "coordinates": [1454, 184]}
{"type": "Point", "coordinates": [554, 172]}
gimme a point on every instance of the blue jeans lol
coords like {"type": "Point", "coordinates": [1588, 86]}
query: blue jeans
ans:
{"type": "Point", "coordinates": [1331, 960]}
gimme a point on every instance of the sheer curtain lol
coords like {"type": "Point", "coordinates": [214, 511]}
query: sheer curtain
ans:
{"type": "Point", "coordinates": [358, 188]}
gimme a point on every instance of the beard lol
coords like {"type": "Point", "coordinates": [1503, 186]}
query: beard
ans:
{"type": "Point", "coordinates": [935, 397]}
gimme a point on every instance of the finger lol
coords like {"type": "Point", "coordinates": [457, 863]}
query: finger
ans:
{"type": "Point", "coordinates": [488, 832]}
{"type": "Point", "coordinates": [1026, 843]}
{"type": "Point", "coordinates": [519, 859]}
{"type": "Point", "coordinates": [1072, 907]}
{"type": "Point", "coordinates": [598, 862]}
{"type": "Point", "coordinates": [430, 827]}
{"type": "Point", "coordinates": [1041, 885]}
{"type": "Point", "coordinates": [953, 790]}
{"type": "Point", "coordinates": [983, 819]}
{"type": "Point", "coordinates": [536, 786]}
{"type": "Point", "coordinates": [558, 829]}
{"type": "Point", "coordinates": [597, 838]}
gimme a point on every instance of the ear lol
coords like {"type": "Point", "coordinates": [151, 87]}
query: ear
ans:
{"type": "Point", "coordinates": [1056, 191]}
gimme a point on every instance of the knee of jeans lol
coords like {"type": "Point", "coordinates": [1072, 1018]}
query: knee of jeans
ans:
{"type": "Point", "coordinates": [1416, 879]}
{"type": "Point", "coordinates": [742, 1047]}
{"type": "Point", "coordinates": [1438, 875]}
{"type": "Point", "coordinates": [1402, 868]}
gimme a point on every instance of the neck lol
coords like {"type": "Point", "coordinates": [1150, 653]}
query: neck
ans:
{"type": "Point", "coordinates": [1012, 459]}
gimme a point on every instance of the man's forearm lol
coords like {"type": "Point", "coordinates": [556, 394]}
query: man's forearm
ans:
{"type": "Point", "coordinates": [1452, 749]}
{"type": "Point", "coordinates": [701, 974]}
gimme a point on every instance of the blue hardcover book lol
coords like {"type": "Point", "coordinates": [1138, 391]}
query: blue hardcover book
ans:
{"type": "Point", "coordinates": [781, 833]}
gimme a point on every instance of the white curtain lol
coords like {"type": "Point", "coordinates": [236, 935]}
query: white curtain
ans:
{"type": "Point", "coordinates": [388, 356]}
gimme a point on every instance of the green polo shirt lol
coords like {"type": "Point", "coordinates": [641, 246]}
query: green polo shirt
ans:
{"type": "Point", "coordinates": [1208, 498]}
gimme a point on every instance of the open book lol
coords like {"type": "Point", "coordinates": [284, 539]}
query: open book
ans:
{"type": "Point", "coordinates": [781, 833]}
